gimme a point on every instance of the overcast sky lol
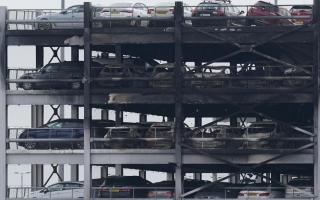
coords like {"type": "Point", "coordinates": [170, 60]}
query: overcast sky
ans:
{"type": "Point", "coordinates": [56, 3]}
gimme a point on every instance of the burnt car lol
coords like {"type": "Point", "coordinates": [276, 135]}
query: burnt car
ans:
{"type": "Point", "coordinates": [128, 136]}
{"type": "Point", "coordinates": [217, 136]}
{"type": "Point", "coordinates": [207, 78]}
{"type": "Point", "coordinates": [124, 187]}
{"type": "Point", "coordinates": [207, 9]}
{"type": "Point", "coordinates": [165, 189]}
{"type": "Point", "coordinates": [265, 9]}
{"type": "Point", "coordinates": [56, 74]}
{"type": "Point", "coordinates": [62, 129]}
{"type": "Point", "coordinates": [302, 188]}
{"type": "Point", "coordinates": [163, 76]}
{"type": "Point", "coordinates": [160, 135]}
{"type": "Point", "coordinates": [264, 135]}
{"type": "Point", "coordinates": [302, 11]}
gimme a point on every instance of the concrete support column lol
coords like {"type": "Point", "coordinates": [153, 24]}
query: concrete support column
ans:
{"type": "Point", "coordinates": [74, 169]}
{"type": "Point", "coordinates": [197, 121]}
{"type": "Point", "coordinates": [275, 176]}
{"type": "Point", "coordinates": [142, 118]}
{"type": "Point", "coordinates": [36, 176]}
{"type": "Point", "coordinates": [143, 174]}
{"type": "Point", "coordinates": [214, 176]}
{"type": "Point", "coordinates": [118, 170]}
{"type": "Point", "coordinates": [197, 176]}
{"type": "Point", "coordinates": [170, 176]}
{"type": "Point", "coordinates": [104, 114]}
{"type": "Point", "coordinates": [119, 117]}
{"type": "Point", "coordinates": [104, 171]}
{"type": "Point", "coordinates": [235, 178]}
{"type": "Point", "coordinates": [284, 178]}
{"type": "Point", "coordinates": [36, 170]}
{"type": "Point", "coordinates": [61, 171]}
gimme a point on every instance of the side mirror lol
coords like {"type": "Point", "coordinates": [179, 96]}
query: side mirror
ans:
{"type": "Point", "coordinates": [63, 12]}
{"type": "Point", "coordinates": [241, 12]}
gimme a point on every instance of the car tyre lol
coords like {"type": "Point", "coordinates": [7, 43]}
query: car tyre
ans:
{"type": "Point", "coordinates": [30, 145]}
{"type": "Point", "coordinates": [27, 86]}
{"type": "Point", "coordinates": [44, 26]}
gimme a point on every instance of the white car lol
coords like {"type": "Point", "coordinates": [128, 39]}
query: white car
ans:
{"type": "Point", "coordinates": [73, 15]}
{"type": "Point", "coordinates": [165, 10]}
{"type": "Point", "coordinates": [59, 190]}
{"type": "Point", "coordinates": [123, 11]}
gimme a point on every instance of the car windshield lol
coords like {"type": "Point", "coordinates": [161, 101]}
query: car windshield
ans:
{"type": "Point", "coordinates": [305, 7]}
{"type": "Point", "coordinates": [49, 68]}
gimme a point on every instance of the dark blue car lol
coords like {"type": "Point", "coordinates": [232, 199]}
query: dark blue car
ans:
{"type": "Point", "coordinates": [68, 134]}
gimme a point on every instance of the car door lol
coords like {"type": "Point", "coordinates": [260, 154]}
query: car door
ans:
{"type": "Point", "coordinates": [54, 191]}
{"type": "Point", "coordinates": [51, 72]}
{"type": "Point", "coordinates": [77, 16]}
{"type": "Point", "coordinates": [72, 190]}
{"type": "Point", "coordinates": [65, 15]}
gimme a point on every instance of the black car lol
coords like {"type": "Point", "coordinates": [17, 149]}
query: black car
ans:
{"type": "Point", "coordinates": [53, 71]}
{"type": "Point", "coordinates": [216, 9]}
{"type": "Point", "coordinates": [124, 187]}
{"type": "Point", "coordinates": [63, 129]}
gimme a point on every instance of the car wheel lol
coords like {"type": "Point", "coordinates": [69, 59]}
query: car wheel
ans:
{"type": "Point", "coordinates": [44, 26]}
{"type": "Point", "coordinates": [30, 145]}
{"type": "Point", "coordinates": [27, 86]}
{"type": "Point", "coordinates": [76, 85]}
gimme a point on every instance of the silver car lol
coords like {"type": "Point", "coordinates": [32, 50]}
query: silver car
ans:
{"type": "Point", "coordinates": [72, 15]}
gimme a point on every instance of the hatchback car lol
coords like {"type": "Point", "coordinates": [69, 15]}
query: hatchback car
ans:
{"type": "Point", "coordinates": [124, 187]}
{"type": "Point", "coordinates": [74, 16]}
{"type": "Point", "coordinates": [63, 129]}
{"type": "Point", "coordinates": [58, 71]}
{"type": "Point", "coordinates": [126, 12]}
{"type": "Point", "coordinates": [216, 9]}
{"type": "Point", "coordinates": [302, 11]}
{"type": "Point", "coordinates": [263, 9]}
{"type": "Point", "coordinates": [59, 190]}
{"type": "Point", "coordinates": [303, 184]}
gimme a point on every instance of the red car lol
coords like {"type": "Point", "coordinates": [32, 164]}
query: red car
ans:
{"type": "Point", "coordinates": [303, 11]}
{"type": "Point", "coordinates": [264, 9]}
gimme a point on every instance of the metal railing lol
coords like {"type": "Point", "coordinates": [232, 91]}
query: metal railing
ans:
{"type": "Point", "coordinates": [218, 192]}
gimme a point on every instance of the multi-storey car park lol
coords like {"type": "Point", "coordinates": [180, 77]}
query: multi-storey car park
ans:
{"type": "Point", "coordinates": [267, 93]}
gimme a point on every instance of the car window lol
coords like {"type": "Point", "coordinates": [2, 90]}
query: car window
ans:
{"type": "Point", "coordinates": [75, 9]}
{"type": "Point", "coordinates": [55, 187]}
{"type": "Point", "coordinates": [50, 68]}
{"type": "Point", "coordinates": [70, 186]}
{"type": "Point", "coordinates": [54, 125]}
{"type": "Point", "coordinates": [73, 125]}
